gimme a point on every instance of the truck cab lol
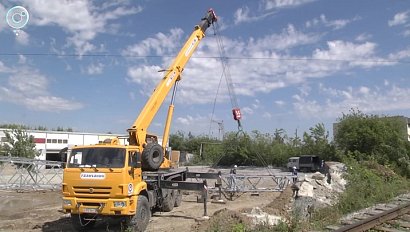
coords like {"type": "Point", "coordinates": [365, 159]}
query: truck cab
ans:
{"type": "Point", "coordinates": [293, 162]}
{"type": "Point", "coordinates": [305, 163]}
{"type": "Point", "coordinates": [102, 179]}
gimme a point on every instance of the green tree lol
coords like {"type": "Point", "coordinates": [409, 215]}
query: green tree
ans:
{"type": "Point", "coordinates": [317, 143]}
{"type": "Point", "coordinates": [19, 144]}
{"type": "Point", "coordinates": [177, 141]}
{"type": "Point", "coordinates": [279, 135]}
{"type": "Point", "coordinates": [370, 137]}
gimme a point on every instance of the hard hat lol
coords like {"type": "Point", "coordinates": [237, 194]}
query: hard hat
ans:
{"type": "Point", "coordinates": [235, 166]}
{"type": "Point", "coordinates": [294, 167]}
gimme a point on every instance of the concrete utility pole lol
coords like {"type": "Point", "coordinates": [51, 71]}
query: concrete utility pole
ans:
{"type": "Point", "coordinates": [221, 131]}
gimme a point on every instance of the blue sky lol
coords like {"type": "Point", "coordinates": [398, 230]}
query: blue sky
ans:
{"type": "Point", "coordinates": [293, 63]}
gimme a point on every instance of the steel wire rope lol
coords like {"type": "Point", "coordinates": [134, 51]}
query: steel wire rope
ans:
{"type": "Point", "coordinates": [231, 91]}
{"type": "Point", "coordinates": [214, 105]}
{"type": "Point", "coordinates": [209, 57]}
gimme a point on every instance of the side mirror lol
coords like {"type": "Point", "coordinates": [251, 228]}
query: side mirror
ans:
{"type": "Point", "coordinates": [137, 160]}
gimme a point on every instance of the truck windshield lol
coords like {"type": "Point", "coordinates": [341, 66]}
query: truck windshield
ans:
{"type": "Point", "coordinates": [97, 157]}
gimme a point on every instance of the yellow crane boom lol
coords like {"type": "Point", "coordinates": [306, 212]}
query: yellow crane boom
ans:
{"type": "Point", "coordinates": [138, 130]}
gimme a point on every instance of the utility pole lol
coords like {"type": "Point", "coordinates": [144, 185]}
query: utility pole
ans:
{"type": "Point", "coordinates": [221, 131]}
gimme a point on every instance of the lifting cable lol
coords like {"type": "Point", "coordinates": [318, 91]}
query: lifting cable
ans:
{"type": "Point", "coordinates": [236, 110]}
{"type": "Point", "coordinates": [213, 108]}
{"type": "Point", "coordinates": [225, 72]}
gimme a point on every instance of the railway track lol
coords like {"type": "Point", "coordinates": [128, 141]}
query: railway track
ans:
{"type": "Point", "coordinates": [391, 217]}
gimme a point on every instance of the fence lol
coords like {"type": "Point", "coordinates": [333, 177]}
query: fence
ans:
{"type": "Point", "coordinates": [18, 173]}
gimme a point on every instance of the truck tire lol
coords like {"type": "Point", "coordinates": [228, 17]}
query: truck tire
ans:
{"type": "Point", "coordinates": [168, 200]}
{"type": "Point", "coordinates": [152, 157]}
{"type": "Point", "coordinates": [139, 222]}
{"type": "Point", "coordinates": [178, 198]}
{"type": "Point", "coordinates": [79, 223]}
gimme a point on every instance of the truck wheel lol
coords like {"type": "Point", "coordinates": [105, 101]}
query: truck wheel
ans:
{"type": "Point", "coordinates": [168, 201]}
{"type": "Point", "coordinates": [178, 198]}
{"type": "Point", "coordinates": [79, 222]}
{"type": "Point", "coordinates": [152, 157]}
{"type": "Point", "coordinates": [139, 222]}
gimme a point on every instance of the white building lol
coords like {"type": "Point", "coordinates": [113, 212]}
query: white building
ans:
{"type": "Point", "coordinates": [49, 143]}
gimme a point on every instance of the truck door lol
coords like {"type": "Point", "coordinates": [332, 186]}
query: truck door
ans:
{"type": "Point", "coordinates": [134, 165]}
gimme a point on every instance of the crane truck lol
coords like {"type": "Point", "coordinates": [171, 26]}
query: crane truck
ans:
{"type": "Point", "coordinates": [129, 182]}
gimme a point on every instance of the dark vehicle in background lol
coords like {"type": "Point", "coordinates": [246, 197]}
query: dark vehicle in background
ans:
{"type": "Point", "coordinates": [305, 163]}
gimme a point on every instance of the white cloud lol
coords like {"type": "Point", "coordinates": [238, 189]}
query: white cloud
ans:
{"type": "Point", "coordinates": [256, 104]}
{"type": "Point", "coordinates": [160, 44]}
{"type": "Point", "coordinates": [94, 69]}
{"type": "Point", "coordinates": [196, 124]}
{"type": "Point", "coordinates": [386, 82]}
{"type": "Point", "coordinates": [363, 37]}
{"type": "Point", "coordinates": [22, 59]}
{"type": "Point", "coordinates": [242, 15]}
{"type": "Point", "coordinates": [280, 103]}
{"type": "Point", "coordinates": [405, 53]}
{"type": "Point", "coordinates": [368, 100]}
{"type": "Point", "coordinates": [3, 23]}
{"type": "Point", "coordinates": [51, 103]}
{"type": "Point", "coordinates": [144, 74]}
{"type": "Point", "coordinates": [335, 24]}
{"type": "Point", "coordinates": [22, 37]}
{"type": "Point", "coordinates": [5, 69]}
{"type": "Point", "coordinates": [267, 115]}
{"type": "Point", "coordinates": [398, 19]}
{"type": "Point", "coordinates": [29, 88]}
{"type": "Point", "coordinates": [271, 65]}
{"type": "Point", "coordinates": [354, 54]}
{"type": "Point", "coordinates": [248, 110]}
{"type": "Point", "coordinates": [277, 4]}
{"type": "Point", "coordinates": [289, 37]}
{"type": "Point", "coordinates": [81, 19]}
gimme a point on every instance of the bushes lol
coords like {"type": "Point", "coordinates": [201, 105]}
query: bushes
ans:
{"type": "Point", "coordinates": [368, 183]}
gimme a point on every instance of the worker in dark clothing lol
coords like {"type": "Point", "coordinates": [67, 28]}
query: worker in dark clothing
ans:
{"type": "Point", "coordinates": [295, 190]}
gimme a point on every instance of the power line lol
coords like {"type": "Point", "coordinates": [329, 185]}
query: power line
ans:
{"type": "Point", "coordinates": [210, 57]}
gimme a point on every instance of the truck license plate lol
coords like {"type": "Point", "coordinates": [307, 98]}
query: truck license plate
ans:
{"type": "Point", "coordinates": [89, 210]}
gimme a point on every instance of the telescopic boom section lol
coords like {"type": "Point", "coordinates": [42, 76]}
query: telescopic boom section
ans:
{"type": "Point", "coordinates": [138, 131]}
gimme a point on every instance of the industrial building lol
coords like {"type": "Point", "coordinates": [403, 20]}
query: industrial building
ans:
{"type": "Point", "coordinates": [49, 143]}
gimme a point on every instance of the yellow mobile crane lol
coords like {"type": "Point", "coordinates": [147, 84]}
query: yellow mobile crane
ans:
{"type": "Point", "coordinates": [130, 181]}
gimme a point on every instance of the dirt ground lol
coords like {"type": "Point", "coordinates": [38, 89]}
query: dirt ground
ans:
{"type": "Point", "coordinates": [40, 211]}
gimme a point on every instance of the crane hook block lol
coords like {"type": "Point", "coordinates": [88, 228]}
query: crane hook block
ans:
{"type": "Point", "coordinates": [236, 114]}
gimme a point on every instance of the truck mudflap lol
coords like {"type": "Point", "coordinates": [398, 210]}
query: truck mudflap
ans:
{"type": "Point", "coordinates": [111, 206]}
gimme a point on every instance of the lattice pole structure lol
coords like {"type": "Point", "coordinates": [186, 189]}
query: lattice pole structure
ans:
{"type": "Point", "coordinates": [18, 173]}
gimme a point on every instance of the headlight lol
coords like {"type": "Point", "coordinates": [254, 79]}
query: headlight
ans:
{"type": "Point", "coordinates": [119, 204]}
{"type": "Point", "coordinates": [66, 202]}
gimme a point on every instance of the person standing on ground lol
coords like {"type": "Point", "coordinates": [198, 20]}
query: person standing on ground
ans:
{"type": "Point", "coordinates": [232, 175]}
{"type": "Point", "coordinates": [295, 190]}
{"type": "Point", "coordinates": [294, 174]}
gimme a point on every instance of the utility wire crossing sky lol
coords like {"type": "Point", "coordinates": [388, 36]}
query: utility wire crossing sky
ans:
{"type": "Point", "coordinates": [92, 65]}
